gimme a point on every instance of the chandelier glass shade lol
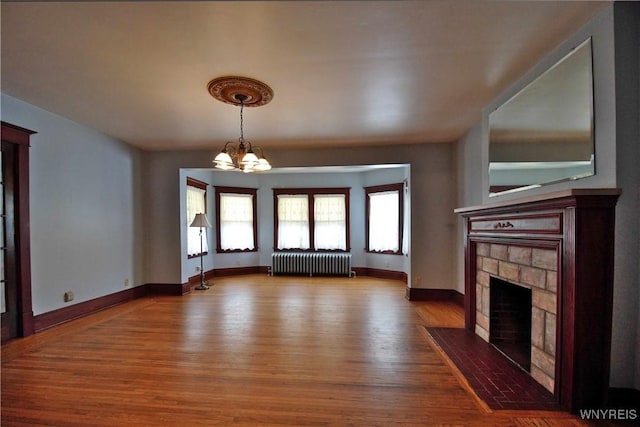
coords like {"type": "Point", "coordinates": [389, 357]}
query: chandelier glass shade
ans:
{"type": "Point", "coordinates": [241, 156]}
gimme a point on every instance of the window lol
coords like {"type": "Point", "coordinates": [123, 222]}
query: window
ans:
{"type": "Point", "coordinates": [293, 221]}
{"type": "Point", "coordinates": [196, 203]}
{"type": "Point", "coordinates": [329, 212]}
{"type": "Point", "coordinates": [311, 219]}
{"type": "Point", "coordinates": [385, 218]}
{"type": "Point", "coordinates": [236, 219]}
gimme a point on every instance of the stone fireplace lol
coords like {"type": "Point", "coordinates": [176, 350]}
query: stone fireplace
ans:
{"type": "Point", "coordinates": [531, 269]}
{"type": "Point", "coordinates": [558, 249]}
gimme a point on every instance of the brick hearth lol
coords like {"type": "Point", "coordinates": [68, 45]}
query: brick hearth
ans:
{"type": "Point", "coordinates": [494, 379]}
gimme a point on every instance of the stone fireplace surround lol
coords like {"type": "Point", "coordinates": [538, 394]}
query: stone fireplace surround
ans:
{"type": "Point", "coordinates": [533, 268]}
{"type": "Point", "coordinates": [560, 245]}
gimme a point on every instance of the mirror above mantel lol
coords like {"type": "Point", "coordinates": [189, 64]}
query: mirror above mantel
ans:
{"type": "Point", "coordinates": [545, 133]}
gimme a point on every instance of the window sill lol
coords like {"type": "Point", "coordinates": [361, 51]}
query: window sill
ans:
{"type": "Point", "coordinates": [383, 252]}
{"type": "Point", "coordinates": [314, 250]}
{"type": "Point", "coordinates": [234, 251]}
{"type": "Point", "coordinates": [197, 255]}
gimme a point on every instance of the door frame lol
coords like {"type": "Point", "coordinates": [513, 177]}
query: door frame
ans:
{"type": "Point", "coordinates": [20, 138]}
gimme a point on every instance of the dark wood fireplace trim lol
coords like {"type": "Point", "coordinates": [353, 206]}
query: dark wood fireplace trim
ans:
{"type": "Point", "coordinates": [580, 223]}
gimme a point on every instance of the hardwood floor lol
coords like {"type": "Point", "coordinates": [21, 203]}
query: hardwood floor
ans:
{"type": "Point", "coordinates": [252, 350]}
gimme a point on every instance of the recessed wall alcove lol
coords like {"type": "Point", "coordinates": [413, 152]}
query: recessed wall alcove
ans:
{"type": "Point", "coordinates": [560, 247]}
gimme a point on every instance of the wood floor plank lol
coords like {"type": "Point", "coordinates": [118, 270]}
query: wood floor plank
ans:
{"type": "Point", "coordinates": [252, 350]}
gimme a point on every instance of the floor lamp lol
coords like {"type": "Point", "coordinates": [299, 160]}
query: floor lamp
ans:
{"type": "Point", "coordinates": [201, 221]}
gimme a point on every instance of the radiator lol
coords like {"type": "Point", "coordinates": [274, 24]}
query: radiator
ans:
{"type": "Point", "coordinates": [323, 263]}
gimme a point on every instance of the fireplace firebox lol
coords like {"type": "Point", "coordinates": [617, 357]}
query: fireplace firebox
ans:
{"type": "Point", "coordinates": [510, 321]}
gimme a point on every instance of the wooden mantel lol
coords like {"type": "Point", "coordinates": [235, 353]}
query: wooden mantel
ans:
{"type": "Point", "coordinates": [544, 198]}
{"type": "Point", "coordinates": [579, 225]}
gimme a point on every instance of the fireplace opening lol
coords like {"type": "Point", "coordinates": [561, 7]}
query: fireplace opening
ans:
{"type": "Point", "coordinates": [510, 321]}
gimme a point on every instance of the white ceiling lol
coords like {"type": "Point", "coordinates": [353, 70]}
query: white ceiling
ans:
{"type": "Point", "coordinates": [360, 72]}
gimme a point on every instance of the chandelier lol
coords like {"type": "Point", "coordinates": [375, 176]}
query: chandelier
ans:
{"type": "Point", "coordinates": [242, 91]}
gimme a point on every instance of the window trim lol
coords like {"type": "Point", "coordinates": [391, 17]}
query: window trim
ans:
{"type": "Point", "coordinates": [310, 192]}
{"type": "Point", "coordinates": [237, 190]}
{"type": "Point", "coordinates": [399, 187]}
{"type": "Point", "coordinates": [192, 182]}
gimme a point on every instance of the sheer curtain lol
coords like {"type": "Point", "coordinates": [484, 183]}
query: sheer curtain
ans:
{"type": "Point", "coordinates": [405, 222]}
{"type": "Point", "coordinates": [329, 213]}
{"type": "Point", "coordinates": [383, 221]}
{"type": "Point", "coordinates": [195, 204]}
{"type": "Point", "coordinates": [236, 221]}
{"type": "Point", "coordinates": [293, 221]}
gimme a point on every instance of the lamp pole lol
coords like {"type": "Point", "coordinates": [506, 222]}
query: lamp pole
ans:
{"type": "Point", "coordinates": [200, 220]}
{"type": "Point", "coordinates": [201, 286]}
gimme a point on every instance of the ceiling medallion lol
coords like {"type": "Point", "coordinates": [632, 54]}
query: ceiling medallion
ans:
{"type": "Point", "coordinates": [238, 90]}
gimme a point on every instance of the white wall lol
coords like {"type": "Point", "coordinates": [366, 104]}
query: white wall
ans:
{"type": "Point", "coordinates": [617, 157]}
{"type": "Point", "coordinates": [85, 214]}
{"type": "Point", "coordinates": [625, 350]}
{"type": "Point", "coordinates": [470, 168]}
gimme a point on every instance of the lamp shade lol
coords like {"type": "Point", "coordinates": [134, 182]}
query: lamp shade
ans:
{"type": "Point", "coordinates": [225, 166]}
{"type": "Point", "coordinates": [249, 159]}
{"type": "Point", "coordinates": [223, 161]}
{"type": "Point", "coordinates": [200, 220]}
{"type": "Point", "coordinates": [263, 165]}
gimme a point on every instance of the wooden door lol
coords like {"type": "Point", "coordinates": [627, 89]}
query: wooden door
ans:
{"type": "Point", "coordinates": [8, 283]}
{"type": "Point", "coordinates": [15, 261]}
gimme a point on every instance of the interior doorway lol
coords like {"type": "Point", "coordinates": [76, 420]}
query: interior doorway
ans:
{"type": "Point", "coordinates": [15, 263]}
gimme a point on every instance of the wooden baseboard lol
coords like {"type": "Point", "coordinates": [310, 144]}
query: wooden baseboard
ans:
{"type": "Point", "coordinates": [381, 274]}
{"type": "Point", "coordinates": [238, 271]}
{"type": "Point", "coordinates": [5, 331]}
{"type": "Point", "coordinates": [458, 298]}
{"type": "Point", "coordinates": [418, 294]}
{"type": "Point", "coordinates": [170, 288]}
{"type": "Point", "coordinates": [223, 272]}
{"type": "Point", "coordinates": [66, 314]}
{"type": "Point", "coordinates": [195, 280]}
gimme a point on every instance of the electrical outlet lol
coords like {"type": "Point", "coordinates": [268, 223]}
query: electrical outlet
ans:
{"type": "Point", "coordinates": [126, 282]}
{"type": "Point", "coordinates": [68, 296]}
{"type": "Point", "coordinates": [418, 280]}
{"type": "Point", "coordinates": [197, 269]}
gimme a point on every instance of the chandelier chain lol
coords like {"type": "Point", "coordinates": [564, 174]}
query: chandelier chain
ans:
{"type": "Point", "coordinates": [241, 120]}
